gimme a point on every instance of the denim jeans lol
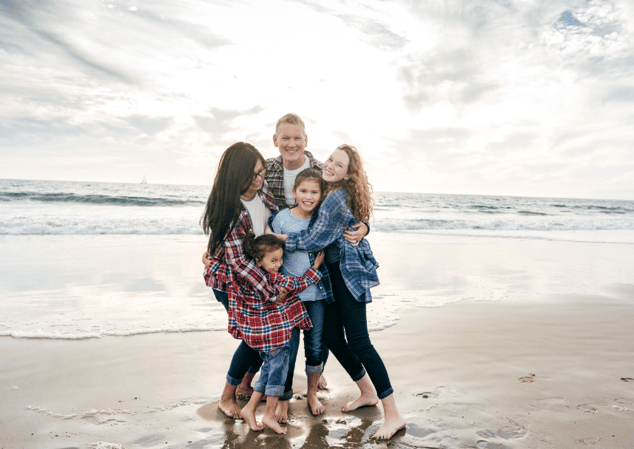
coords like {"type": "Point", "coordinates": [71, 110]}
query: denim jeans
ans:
{"type": "Point", "coordinates": [315, 349]}
{"type": "Point", "coordinates": [346, 334]}
{"type": "Point", "coordinates": [274, 371]}
{"type": "Point", "coordinates": [245, 358]}
{"type": "Point", "coordinates": [313, 345]}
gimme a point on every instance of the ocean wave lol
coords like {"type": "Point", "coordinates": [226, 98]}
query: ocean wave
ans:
{"type": "Point", "coordinates": [557, 224]}
{"type": "Point", "coordinates": [40, 334]}
{"type": "Point", "coordinates": [99, 199]}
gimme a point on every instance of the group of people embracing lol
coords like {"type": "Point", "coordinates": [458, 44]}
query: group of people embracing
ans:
{"type": "Point", "coordinates": [287, 252]}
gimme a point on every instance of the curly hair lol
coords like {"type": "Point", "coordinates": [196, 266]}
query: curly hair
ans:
{"type": "Point", "coordinates": [359, 189]}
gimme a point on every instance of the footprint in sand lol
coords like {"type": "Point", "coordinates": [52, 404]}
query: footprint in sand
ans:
{"type": "Point", "coordinates": [482, 444]}
{"type": "Point", "coordinates": [507, 433]}
{"type": "Point", "coordinates": [528, 379]}
{"type": "Point", "coordinates": [587, 408]}
{"type": "Point", "coordinates": [427, 395]}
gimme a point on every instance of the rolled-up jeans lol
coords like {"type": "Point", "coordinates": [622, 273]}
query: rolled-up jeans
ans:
{"type": "Point", "coordinates": [274, 371]}
{"type": "Point", "coordinates": [245, 358]}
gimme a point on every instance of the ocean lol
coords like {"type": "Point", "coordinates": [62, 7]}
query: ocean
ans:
{"type": "Point", "coordinates": [89, 208]}
{"type": "Point", "coordinates": [84, 260]}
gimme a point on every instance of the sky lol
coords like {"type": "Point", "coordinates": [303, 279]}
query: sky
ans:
{"type": "Point", "coordinates": [492, 97]}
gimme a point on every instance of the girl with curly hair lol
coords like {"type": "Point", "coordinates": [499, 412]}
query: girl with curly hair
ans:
{"type": "Point", "coordinates": [352, 269]}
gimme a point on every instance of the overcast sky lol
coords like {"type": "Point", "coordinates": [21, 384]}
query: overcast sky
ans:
{"type": "Point", "coordinates": [517, 97]}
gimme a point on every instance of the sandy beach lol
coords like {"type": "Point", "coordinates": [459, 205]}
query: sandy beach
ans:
{"type": "Point", "coordinates": [489, 343]}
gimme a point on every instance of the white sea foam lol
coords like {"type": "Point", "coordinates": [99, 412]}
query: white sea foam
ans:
{"type": "Point", "coordinates": [58, 208]}
{"type": "Point", "coordinates": [443, 303]}
{"type": "Point", "coordinates": [51, 335]}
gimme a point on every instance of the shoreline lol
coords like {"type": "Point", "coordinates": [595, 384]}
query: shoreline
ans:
{"type": "Point", "coordinates": [503, 375]}
{"type": "Point", "coordinates": [529, 355]}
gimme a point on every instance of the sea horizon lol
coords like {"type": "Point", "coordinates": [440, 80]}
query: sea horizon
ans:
{"type": "Point", "coordinates": [627, 192]}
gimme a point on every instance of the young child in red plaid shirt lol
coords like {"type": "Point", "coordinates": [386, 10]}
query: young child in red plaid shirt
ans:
{"type": "Point", "coordinates": [268, 326]}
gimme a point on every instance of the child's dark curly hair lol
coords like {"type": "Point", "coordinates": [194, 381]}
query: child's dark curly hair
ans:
{"type": "Point", "coordinates": [257, 247]}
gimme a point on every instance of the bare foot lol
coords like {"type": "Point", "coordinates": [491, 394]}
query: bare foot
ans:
{"type": "Point", "coordinates": [315, 406]}
{"type": "Point", "coordinates": [361, 401]}
{"type": "Point", "coordinates": [323, 383]}
{"type": "Point", "coordinates": [230, 408]}
{"type": "Point", "coordinates": [249, 418]}
{"type": "Point", "coordinates": [244, 393]}
{"type": "Point", "coordinates": [389, 428]}
{"type": "Point", "coordinates": [281, 412]}
{"type": "Point", "coordinates": [272, 423]}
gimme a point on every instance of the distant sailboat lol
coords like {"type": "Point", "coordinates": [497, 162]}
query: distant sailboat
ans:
{"type": "Point", "coordinates": [144, 180]}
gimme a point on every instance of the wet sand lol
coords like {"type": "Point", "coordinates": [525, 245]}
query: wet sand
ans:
{"type": "Point", "coordinates": [544, 361]}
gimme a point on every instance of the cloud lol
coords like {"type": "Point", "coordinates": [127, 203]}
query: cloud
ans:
{"type": "Point", "coordinates": [150, 125]}
{"type": "Point", "coordinates": [220, 121]}
{"type": "Point", "coordinates": [375, 32]}
{"type": "Point", "coordinates": [49, 21]}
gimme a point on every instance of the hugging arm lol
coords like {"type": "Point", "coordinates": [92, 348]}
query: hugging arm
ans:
{"type": "Point", "coordinates": [243, 267]}
{"type": "Point", "coordinates": [361, 229]}
{"type": "Point", "coordinates": [328, 227]}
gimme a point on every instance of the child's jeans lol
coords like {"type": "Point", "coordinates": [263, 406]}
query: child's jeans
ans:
{"type": "Point", "coordinates": [274, 371]}
{"type": "Point", "coordinates": [315, 350]}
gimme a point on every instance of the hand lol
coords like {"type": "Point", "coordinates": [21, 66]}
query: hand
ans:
{"type": "Point", "coordinates": [268, 230]}
{"type": "Point", "coordinates": [354, 237]}
{"type": "Point", "coordinates": [281, 237]}
{"type": "Point", "coordinates": [281, 297]}
{"type": "Point", "coordinates": [206, 260]}
{"type": "Point", "coordinates": [319, 259]}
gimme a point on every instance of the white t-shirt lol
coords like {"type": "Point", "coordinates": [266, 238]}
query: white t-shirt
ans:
{"type": "Point", "coordinates": [258, 213]}
{"type": "Point", "coordinates": [289, 182]}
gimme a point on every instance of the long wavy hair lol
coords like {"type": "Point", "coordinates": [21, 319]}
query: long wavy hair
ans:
{"type": "Point", "coordinates": [234, 177]}
{"type": "Point", "coordinates": [359, 189]}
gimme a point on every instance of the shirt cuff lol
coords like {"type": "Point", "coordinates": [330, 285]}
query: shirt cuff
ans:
{"type": "Point", "coordinates": [291, 241]}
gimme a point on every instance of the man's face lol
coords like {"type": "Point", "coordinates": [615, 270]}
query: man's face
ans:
{"type": "Point", "coordinates": [291, 142]}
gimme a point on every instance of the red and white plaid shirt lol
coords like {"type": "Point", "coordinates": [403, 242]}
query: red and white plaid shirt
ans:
{"type": "Point", "coordinates": [229, 261]}
{"type": "Point", "coordinates": [262, 324]}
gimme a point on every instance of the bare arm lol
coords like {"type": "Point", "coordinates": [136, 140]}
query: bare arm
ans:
{"type": "Point", "coordinates": [354, 237]}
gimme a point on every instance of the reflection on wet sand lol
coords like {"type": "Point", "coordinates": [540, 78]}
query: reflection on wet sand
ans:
{"type": "Point", "coordinates": [333, 429]}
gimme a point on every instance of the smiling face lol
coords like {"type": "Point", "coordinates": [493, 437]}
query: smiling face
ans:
{"type": "Point", "coordinates": [291, 141]}
{"type": "Point", "coordinates": [307, 194]}
{"type": "Point", "coordinates": [336, 166]}
{"type": "Point", "coordinates": [258, 181]}
{"type": "Point", "coordinates": [272, 261]}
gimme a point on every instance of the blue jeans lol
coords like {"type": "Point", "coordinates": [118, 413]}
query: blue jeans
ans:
{"type": "Point", "coordinates": [315, 349]}
{"type": "Point", "coordinates": [245, 358]}
{"type": "Point", "coordinates": [274, 371]}
{"type": "Point", "coordinates": [346, 334]}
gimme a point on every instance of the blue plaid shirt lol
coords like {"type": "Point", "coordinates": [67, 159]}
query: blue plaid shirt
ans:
{"type": "Point", "coordinates": [357, 263]}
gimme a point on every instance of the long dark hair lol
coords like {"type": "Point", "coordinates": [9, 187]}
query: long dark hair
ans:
{"type": "Point", "coordinates": [234, 177]}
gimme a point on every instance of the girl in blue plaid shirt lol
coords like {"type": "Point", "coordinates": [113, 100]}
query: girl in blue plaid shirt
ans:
{"type": "Point", "coordinates": [352, 271]}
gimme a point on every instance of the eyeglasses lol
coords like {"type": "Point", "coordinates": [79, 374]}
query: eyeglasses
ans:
{"type": "Point", "coordinates": [261, 173]}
